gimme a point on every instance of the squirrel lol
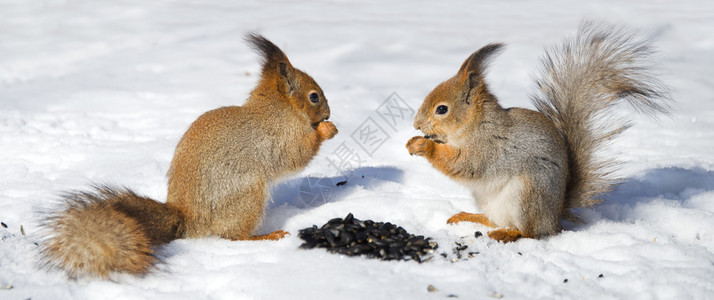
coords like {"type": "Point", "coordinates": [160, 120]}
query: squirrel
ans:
{"type": "Point", "coordinates": [527, 170]}
{"type": "Point", "coordinates": [218, 179]}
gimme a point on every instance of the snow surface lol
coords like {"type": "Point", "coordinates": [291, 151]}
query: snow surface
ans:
{"type": "Point", "coordinates": [101, 91]}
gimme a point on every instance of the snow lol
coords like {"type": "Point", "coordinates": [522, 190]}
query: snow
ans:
{"type": "Point", "coordinates": [101, 91]}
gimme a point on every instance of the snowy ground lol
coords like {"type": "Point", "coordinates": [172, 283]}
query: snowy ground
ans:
{"type": "Point", "coordinates": [101, 91]}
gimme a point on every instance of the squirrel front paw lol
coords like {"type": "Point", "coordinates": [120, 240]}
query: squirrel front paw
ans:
{"type": "Point", "coordinates": [326, 130]}
{"type": "Point", "coordinates": [419, 145]}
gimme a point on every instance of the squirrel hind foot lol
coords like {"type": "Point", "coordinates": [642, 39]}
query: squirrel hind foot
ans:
{"type": "Point", "coordinates": [505, 235]}
{"type": "Point", "coordinates": [469, 217]}
{"type": "Point", "coordinates": [273, 236]}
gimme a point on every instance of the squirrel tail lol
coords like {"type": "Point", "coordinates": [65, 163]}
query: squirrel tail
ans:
{"type": "Point", "coordinates": [578, 86]}
{"type": "Point", "coordinates": [106, 231]}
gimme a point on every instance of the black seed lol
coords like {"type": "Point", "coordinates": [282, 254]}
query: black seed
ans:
{"type": "Point", "coordinates": [381, 243]}
{"type": "Point", "coordinates": [566, 280]}
{"type": "Point", "coordinates": [349, 218]}
{"type": "Point", "coordinates": [360, 236]}
{"type": "Point", "coordinates": [3, 225]}
{"type": "Point", "coordinates": [330, 238]}
{"type": "Point", "coordinates": [520, 253]}
{"type": "Point", "coordinates": [350, 236]}
{"type": "Point", "coordinates": [335, 232]}
{"type": "Point", "coordinates": [396, 245]}
{"type": "Point", "coordinates": [600, 276]}
{"type": "Point", "coordinates": [394, 253]}
{"type": "Point", "coordinates": [346, 238]}
{"type": "Point", "coordinates": [365, 248]}
{"type": "Point", "coordinates": [308, 245]}
{"type": "Point", "coordinates": [341, 183]}
{"type": "Point", "coordinates": [478, 234]}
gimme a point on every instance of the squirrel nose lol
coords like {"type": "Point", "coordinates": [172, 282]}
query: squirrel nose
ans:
{"type": "Point", "coordinates": [326, 113]}
{"type": "Point", "coordinates": [417, 122]}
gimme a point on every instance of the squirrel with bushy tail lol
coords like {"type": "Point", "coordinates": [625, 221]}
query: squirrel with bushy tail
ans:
{"type": "Point", "coordinates": [218, 180]}
{"type": "Point", "coordinates": [528, 170]}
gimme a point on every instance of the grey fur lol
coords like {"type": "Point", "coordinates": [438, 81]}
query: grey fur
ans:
{"type": "Point", "coordinates": [578, 86]}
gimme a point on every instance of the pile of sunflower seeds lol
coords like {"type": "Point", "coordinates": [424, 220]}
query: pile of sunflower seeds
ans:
{"type": "Point", "coordinates": [352, 237]}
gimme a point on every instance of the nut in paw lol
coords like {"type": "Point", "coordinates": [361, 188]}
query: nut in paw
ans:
{"type": "Point", "coordinates": [326, 130]}
{"type": "Point", "coordinates": [420, 146]}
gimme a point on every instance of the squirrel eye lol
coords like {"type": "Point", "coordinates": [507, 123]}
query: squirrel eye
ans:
{"type": "Point", "coordinates": [314, 97]}
{"type": "Point", "coordinates": [442, 109]}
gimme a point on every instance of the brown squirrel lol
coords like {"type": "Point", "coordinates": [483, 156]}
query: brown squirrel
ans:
{"type": "Point", "coordinates": [217, 183]}
{"type": "Point", "coordinates": [528, 169]}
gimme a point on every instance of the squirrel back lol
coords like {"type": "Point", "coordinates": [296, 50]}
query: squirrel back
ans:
{"type": "Point", "coordinates": [527, 169]}
{"type": "Point", "coordinates": [217, 183]}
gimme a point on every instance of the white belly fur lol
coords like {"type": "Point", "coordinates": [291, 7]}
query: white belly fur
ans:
{"type": "Point", "coordinates": [499, 199]}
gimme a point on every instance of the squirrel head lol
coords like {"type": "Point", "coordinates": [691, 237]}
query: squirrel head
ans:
{"type": "Point", "coordinates": [457, 103]}
{"type": "Point", "coordinates": [282, 82]}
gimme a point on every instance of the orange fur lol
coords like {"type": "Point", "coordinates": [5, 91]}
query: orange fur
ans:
{"type": "Point", "coordinates": [505, 235]}
{"type": "Point", "coordinates": [469, 217]}
{"type": "Point", "coordinates": [273, 236]}
{"type": "Point", "coordinates": [96, 234]}
{"type": "Point", "coordinates": [443, 157]}
{"type": "Point", "coordinates": [526, 169]}
{"type": "Point", "coordinates": [218, 180]}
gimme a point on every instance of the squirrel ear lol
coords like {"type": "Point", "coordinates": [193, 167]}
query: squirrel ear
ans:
{"type": "Point", "coordinates": [473, 69]}
{"type": "Point", "coordinates": [287, 75]}
{"type": "Point", "coordinates": [275, 62]}
{"type": "Point", "coordinates": [479, 60]}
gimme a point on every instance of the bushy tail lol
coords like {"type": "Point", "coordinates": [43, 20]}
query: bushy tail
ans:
{"type": "Point", "coordinates": [108, 230]}
{"type": "Point", "coordinates": [578, 86]}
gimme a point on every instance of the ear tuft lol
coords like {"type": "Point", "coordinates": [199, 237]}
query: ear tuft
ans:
{"type": "Point", "coordinates": [479, 60]}
{"type": "Point", "coordinates": [270, 53]}
{"type": "Point", "coordinates": [472, 71]}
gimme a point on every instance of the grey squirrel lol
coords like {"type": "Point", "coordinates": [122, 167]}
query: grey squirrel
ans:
{"type": "Point", "coordinates": [528, 169]}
